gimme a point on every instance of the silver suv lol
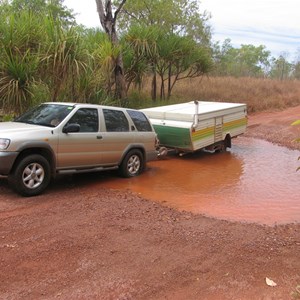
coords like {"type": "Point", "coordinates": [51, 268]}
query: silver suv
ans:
{"type": "Point", "coordinates": [70, 137]}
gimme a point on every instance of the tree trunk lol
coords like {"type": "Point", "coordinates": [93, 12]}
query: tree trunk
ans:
{"type": "Point", "coordinates": [154, 83]}
{"type": "Point", "coordinates": [282, 71]}
{"type": "Point", "coordinates": [169, 81]}
{"type": "Point", "coordinates": [154, 88]}
{"type": "Point", "coordinates": [108, 22]}
{"type": "Point", "coordinates": [162, 89]}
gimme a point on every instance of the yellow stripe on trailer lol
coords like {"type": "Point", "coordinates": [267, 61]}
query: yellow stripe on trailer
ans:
{"type": "Point", "coordinates": [202, 134]}
{"type": "Point", "coordinates": [234, 124]}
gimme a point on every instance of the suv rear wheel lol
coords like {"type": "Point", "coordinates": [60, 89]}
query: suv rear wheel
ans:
{"type": "Point", "coordinates": [133, 164]}
{"type": "Point", "coordinates": [31, 175]}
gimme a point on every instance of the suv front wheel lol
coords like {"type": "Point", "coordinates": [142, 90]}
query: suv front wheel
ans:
{"type": "Point", "coordinates": [133, 164]}
{"type": "Point", "coordinates": [31, 175]}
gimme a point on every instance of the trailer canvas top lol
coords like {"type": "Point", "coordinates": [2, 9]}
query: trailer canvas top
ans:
{"type": "Point", "coordinates": [198, 124]}
{"type": "Point", "coordinates": [187, 111]}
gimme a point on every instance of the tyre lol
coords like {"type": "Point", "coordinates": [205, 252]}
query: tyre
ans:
{"type": "Point", "coordinates": [132, 164]}
{"type": "Point", "coordinates": [31, 176]}
{"type": "Point", "coordinates": [221, 147]}
{"type": "Point", "coordinates": [226, 143]}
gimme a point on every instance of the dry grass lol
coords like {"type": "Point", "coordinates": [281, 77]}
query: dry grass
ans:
{"type": "Point", "coordinates": [259, 94]}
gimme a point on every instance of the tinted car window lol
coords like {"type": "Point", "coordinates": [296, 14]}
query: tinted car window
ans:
{"type": "Point", "coordinates": [140, 121]}
{"type": "Point", "coordinates": [87, 118]}
{"type": "Point", "coordinates": [115, 120]}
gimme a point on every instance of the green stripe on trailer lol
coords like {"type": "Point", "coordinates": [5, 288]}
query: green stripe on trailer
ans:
{"type": "Point", "coordinates": [173, 137]}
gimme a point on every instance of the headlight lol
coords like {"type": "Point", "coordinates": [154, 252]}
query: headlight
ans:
{"type": "Point", "coordinates": [4, 143]}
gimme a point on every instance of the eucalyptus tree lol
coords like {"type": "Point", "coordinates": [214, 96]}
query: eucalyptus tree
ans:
{"type": "Point", "coordinates": [51, 8]}
{"type": "Point", "coordinates": [181, 18]}
{"type": "Point", "coordinates": [169, 56]}
{"type": "Point", "coordinates": [296, 70]}
{"type": "Point", "coordinates": [247, 60]}
{"type": "Point", "coordinates": [281, 68]}
{"type": "Point", "coordinates": [296, 65]}
{"type": "Point", "coordinates": [224, 58]}
{"type": "Point", "coordinates": [180, 57]}
{"type": "Point", "coordinates": [253, 60]}
{"type": "Point", "coordinates": [108, 15]}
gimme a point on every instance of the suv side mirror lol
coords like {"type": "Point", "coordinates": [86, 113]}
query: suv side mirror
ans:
{"type": "Point", "coordinates": [69, 128]}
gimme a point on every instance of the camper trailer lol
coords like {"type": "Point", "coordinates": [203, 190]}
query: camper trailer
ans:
{"type": "Point", "coordinates": [191, 126]}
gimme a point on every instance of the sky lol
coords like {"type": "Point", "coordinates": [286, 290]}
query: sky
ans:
{"type": "Point", "coordinates": [272, 23]}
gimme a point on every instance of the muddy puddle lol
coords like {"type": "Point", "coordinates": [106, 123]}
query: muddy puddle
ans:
{"type": "Point", "coordinates": [255, 181]}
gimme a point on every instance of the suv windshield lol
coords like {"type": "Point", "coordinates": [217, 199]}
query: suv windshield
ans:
{"type": "Point", "coordinates": [46, 115]}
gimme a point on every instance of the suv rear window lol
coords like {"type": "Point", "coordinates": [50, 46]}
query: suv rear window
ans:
{"type": "Point", "coordinates": [115, 120]}
{"type": "Point", "coordinates": [140, 121]}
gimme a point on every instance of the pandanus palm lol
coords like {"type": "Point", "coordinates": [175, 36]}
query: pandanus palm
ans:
{"type": "Point", "coordinates": [19, 60]}
{"type": "Point", "coordinates": [141, 54]}
{"type": "Point", "coordinates": [63, 60]}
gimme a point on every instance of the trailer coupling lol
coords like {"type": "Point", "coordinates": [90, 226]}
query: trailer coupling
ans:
{"type": "Point", "coordinates": [161, 152]}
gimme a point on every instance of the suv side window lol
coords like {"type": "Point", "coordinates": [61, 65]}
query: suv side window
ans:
{"type": "Point", "coordinates": [140, 121]}
{"type": "Point", "coordinates": [115, 120]}
{"type": "Point", "coordinates": [87, 118]}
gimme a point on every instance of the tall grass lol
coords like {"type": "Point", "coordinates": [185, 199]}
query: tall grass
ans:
{"type": "Point", "coordinates": [258, 94]}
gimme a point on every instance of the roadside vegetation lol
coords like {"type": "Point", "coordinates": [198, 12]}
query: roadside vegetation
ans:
{"type": "Point", "coordinates": [260, 94]}
{"type": "Point", "coordinates": [46, 56]}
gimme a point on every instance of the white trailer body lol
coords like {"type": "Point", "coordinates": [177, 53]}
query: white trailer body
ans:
{"type": "Point", "coordinates": [191, 126]}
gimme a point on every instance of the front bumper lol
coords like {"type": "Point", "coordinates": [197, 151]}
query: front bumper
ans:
{"type": "Point", "coordinates": [7, 160]}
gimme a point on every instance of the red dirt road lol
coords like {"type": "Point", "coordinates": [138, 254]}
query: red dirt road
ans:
{"type": "Point", "coordinates": [276, 127]}
{"type": "Point", "coordinates": [80, 242]}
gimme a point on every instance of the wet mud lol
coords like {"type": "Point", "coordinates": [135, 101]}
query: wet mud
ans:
{"type": "Point", "coordinates": [256, 181]}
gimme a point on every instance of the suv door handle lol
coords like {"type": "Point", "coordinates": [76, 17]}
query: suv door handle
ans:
{"type": "Point", "coordinates": [99, 137]}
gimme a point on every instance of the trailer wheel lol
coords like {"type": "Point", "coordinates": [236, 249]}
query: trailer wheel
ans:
{"type": "Point", "coordinates": [227, 141]}
{"type": "Point", "coordinates": [221, 147]}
